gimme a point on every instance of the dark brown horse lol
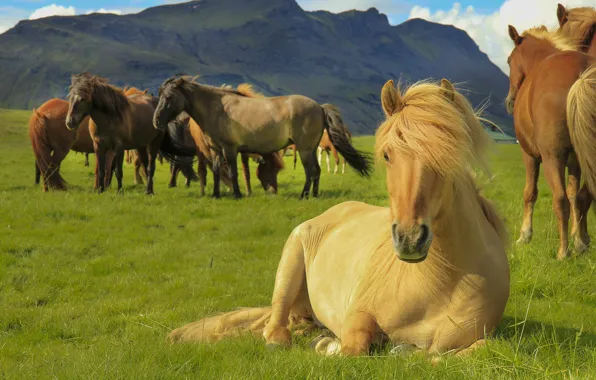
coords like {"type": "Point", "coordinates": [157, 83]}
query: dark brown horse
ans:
{"type": "Point", "coordinates": [579, 24]}
{"type": "Point", "coordinates": [552, 96]}
{"type": "Point", "coordinates": [117, 123]}
{"type": "Point", "coordinates": [239, 123]}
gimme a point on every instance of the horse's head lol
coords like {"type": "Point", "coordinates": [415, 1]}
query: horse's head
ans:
{"type": "Point", "coordinates": [80, 98]}
{"type": "Point", "coordinates": [267, 170]}
{"type": "Point", "coordinates": [429, 138]}
{"type": "Point", "coordinates": [531, 48]}
{"type": "Point", "coordinates": [517, 68]}
{"type": "Point", "coordinates": [172, 102]}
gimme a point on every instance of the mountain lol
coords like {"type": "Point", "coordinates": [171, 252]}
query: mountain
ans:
{"type": "Point", "coordinates": [342, 59]}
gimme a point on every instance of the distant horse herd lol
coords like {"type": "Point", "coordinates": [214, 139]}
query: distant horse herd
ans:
{"type": "Point", "coordinates": [430, 273]}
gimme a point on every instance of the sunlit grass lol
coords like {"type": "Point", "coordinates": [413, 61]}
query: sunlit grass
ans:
{"type": "Point", "coordinates": [91, 285]}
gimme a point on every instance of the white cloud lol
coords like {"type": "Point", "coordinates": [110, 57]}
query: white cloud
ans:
{"type": "Point", "coordinates": [52, 10]}
{"type": "Point", "coordinates": [489, 31]}
{"type": "Point", "coordinates": [103, 10]}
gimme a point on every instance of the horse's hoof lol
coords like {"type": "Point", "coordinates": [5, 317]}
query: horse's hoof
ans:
{"type": "Point", "coordinates": [171, 185]}
{"type": "Point", "coordinates": [403, 349]}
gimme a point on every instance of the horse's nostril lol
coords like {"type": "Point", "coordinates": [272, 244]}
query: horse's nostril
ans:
{"type": "Point", "coordinates": [424, 235]}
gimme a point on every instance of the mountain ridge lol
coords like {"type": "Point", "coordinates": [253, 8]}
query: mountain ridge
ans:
{"type": "Point", "coordinates": [342, 58]}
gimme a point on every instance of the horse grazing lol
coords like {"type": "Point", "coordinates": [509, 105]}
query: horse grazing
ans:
{"type": "Point", "coordinates": [552, 97]}
{"type": "Point", "coordinates": [428, 273]}
{"type": "Point", "coordinates": [239, 123]}
{"type": "Point", "coordinates": [326, 146]}
{"type": "Point", "coordinates": [580, 25]}
{"type": "Point", "coordinates": [117, 123]}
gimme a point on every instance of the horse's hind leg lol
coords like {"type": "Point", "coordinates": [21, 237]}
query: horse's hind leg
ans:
{"type": "Point", "coordinates": [100, 154]}
{"type": "Point", "coordinates": [86, 159]}
{"type": "Point", "coordinates": [320, 151]}
{"type": "Point", "coordinates": [578, 206]}
{"type": "Point", "coordinates": [290, 293]}
{"type": "Point", "coordinates": [312, 171]}
{"type": "Point", "coordinates": [336, 158]}
{"type": "Point", "coordinates": [328, 161]}
{"type": "Point", "coordinates": [530, 196]}
{"type": "Point", "coordinates": [554, 171]}
{"type": "Point", "coordinates": [246, 171]}
{"type": "Point", "coordinates": [217, 162]}
{"type": "Point", "coordinates": [174, 169]}
{"type": "Point", "coordinates": [37, 174]}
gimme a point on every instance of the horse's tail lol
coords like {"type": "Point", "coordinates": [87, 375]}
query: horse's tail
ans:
{"type": "Point", "coordinates": [43, 152]}
{"type": "Point", "coordinates": [581, 119]}
{"type": "Point", "coordinates": [173, 145]}
{"type": "Point", "coordinates": [218, 327]}
{"type": "Point", "coordinates": [338, 134]}
{"type": "Point", "coordinates": [187, 169]}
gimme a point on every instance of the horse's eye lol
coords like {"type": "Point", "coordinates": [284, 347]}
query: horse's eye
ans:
{"type": "Point", "coordinates": [386, 157]}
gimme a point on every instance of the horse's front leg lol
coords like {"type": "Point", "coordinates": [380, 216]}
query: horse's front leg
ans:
{"type": "Point", "coordinates": [37, 174]}
{"type": "Point", "coordinates": [231, 155]}
{"type": "Point", "coordinates": [358, 333]}
{"type": "Point", "coordinates": [217, 163]}
{"type": "Point", "coordinates": [100, 154]}
{"type": "Point", "coordinates": [246, 172]}
{"type": "Point", "coordinates": [86, 159]}
{"type": "Point", "coordinates": [119, 163]}
{"type": "Point", "coordinates": [174, 168]}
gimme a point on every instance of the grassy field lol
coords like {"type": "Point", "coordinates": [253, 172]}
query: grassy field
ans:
{"type": "Point", "coordinates": [91, 285]}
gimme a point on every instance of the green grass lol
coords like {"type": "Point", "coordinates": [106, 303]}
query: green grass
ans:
{"type": "Point", "coordinates": [91, 285]}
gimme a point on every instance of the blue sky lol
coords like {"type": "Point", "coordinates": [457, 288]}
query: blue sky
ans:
{"type": "Point", "coordinates": [485, 21]}
{"type": "Point", "coordinates": [28, 6]}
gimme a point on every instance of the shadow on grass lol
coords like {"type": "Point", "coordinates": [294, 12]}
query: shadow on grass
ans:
{"type": "Point", "coordinates": [510, 330]}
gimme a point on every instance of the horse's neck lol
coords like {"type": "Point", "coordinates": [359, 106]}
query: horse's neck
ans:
{"type": "Point", "coordinates": [540, 53]}
{"type": "Point", "coordinates": [459, 231]}
{"type": "Point", "coordinates": [100, 118]}
{"type": "Point", "coordinates": [201, 102]}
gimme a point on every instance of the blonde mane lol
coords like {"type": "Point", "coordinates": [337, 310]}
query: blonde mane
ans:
{"type": "Point", "coordinates": [579, 21]}
{"type": "Point", "coordinates": [560, 41]}
{"type": "Point", "coordinates": [444, 134]}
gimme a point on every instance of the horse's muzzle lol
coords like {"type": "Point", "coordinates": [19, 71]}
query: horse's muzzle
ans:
{"type": "Point", "coordinates": [411, 244]}
{"type": "Point", "coordinates": [71, 124]}
{"type": "Point", "coordinates": [509, 104]}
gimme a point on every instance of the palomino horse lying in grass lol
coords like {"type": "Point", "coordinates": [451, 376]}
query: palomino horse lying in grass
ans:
{"type": "Point", "coordinates": [579, 24]}
{"type": "Point", "coordinates": [428, 273]}
{"type": "Point", "coordinates": [239, 123]}
{"type": "Point", "coordinates": [326, 146]}
{"type": "Point", "coordinates": [555, 124]}
{"type": "Point", "coordinates": [117, 123]}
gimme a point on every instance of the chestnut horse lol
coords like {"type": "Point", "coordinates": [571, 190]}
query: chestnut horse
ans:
{"type": "Point", "coordinates": [429, 273]}
{"type": "Point", "coordinates": [552, 96]}
{"type": "Point", "coordinates": [326, 146]}
{"type": "Point", "coordinates": [51, 141]}
{"type": "Point", "coordinates": [117, 123]}
{"type": "Point", "coordinates": [238, 123]}
{"type": "Point", "coordinates": [579, 24]}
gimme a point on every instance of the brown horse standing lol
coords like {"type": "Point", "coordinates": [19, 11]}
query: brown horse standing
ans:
{"type": "Point", "coordinates": [51, 141]}
{"type": "Point", "coordinates": [579, 24]}
{"type": "Point", "coordinates": [269, 164]}
{"type": "Point", "coordinates": [117, 123]}
{"type": "Point", "coordinates": [238, 123]}
{"type": "Point", "coordinates": [552, 96]}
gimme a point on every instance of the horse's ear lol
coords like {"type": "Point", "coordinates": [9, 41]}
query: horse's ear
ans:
{"type": "Point", "coordinates": [514, 35]}
{"type": "Point", "coordinates": [390, 99]}
{"type": "Point", "coordinates": [447, 89]}
{"type": "Point", "coordinates": [561, 14]}
{"type": "Point", "coordinates": [147, 90]}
